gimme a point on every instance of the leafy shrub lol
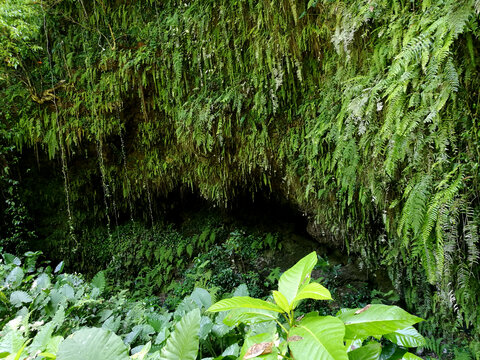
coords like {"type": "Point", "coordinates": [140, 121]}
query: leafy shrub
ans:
{"type": "Point", "coordinates": [47, 314]}
{"type": "Point", "coordinates": [352, 334]}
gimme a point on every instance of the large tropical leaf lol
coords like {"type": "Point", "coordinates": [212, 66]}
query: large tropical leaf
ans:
{"type": "Point", "coordinates": [92, 344]}
{"type": "Point", "coordinates": [249, 316]}
{"type": "Point", "coordinates": [183, 342]}
{"type": "Point", "coordinates": [241, 290]}
{"type": "Point", "coordinates": [11, 259]}
{"type": "Point", "coordinates": [243, 302]}
{"type": "Point", "coordinates": [143, 352]}
{"type": "Point", "coordinates": [157, 321]}
{"type": "Point", "coordinates": [410, 356]}
{"type": "Point", "coordinates": [18, 298]}
{"type": "Point", "coordinates": [202, 298]}
{"type": "Point", "coordinates": [368, 352]}
{"type": "Point", "coordinates": [185, 306]}
{"type": "Point", "coordinates": [281, 301]}
{"type": "Point", "coordinates": [318, 338]}
{"type": "Point", "coordinates": [408, 337]}
{"type": "Point", "coordinates": [233, 349]}
{"type": "Point", "coordinates": [375, 320]}
{"type": "Point", "coordinates": [220, 329]}
{"type": "Point", "coordinates": [98, 284]}
{"type": "Point", "coordinates": [206, 326]}
{"type": "Point", "coordinates": [14, 278]}
{"type": "Point", "coordinates": [313, 291]}
{"type": "Point", "coordinates": [296, 277]}
{"type": "Point", "coordinates": [11, 341]}
{"type": "Point", "coordinates": [59, 267]}
{"type": "Point", "coordinates": [43, 338]}
{"type": "Point", "coordinates": [41, 283]}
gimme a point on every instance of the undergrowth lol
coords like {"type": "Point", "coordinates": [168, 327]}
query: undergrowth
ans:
{"type": "Point", "coordinates": [362, 113]}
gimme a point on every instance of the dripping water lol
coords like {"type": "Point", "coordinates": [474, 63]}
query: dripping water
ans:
{"type": "Point", "coordinates": [149, 197]}
{"type": "Point", "coordinates": [127, 181]}
{"type": "Point", "coordinates": [114, 203]}
{"type": "Point", "coordinates": [106, 191]}
{"type": "Point", "coordinates": [60, 141]}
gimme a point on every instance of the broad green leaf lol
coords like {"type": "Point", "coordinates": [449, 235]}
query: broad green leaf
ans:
{"type": "Point", "coordinates": [67, 291]}
{"type": "Point", "coordinates": [410, 356]}
{"type": "Point", "coordinates": [53, 344]}
{"type": "Point", "coordinates": [313, 291]}
{"type": "Point", "coordinates": [92, 344]}
{"type": "Point", "coordinates": [370, 351]}
{"type": "Point", "coordinates": [142, 331]}
{"type": "Point", "coordinates": [11, 259]}
{"type": "Point", "coordinates": [390, 351]}
{"type": "Point", "coordinates": [249, 316]}
{"type": "Point", "coordinates": [59, 267]}
{"type": "Point", "coordinates": [296, 277]}
{"type": "Point", "coordinates": [318, 338]}
{"type": "Point", "coordinates": [243, 302]}
{"type": "Point", "coordinates": [281, 301]}
{"type": "Point", "coordinates": [408, 337]}
{"type": "Point", "coordinates": [18, 298]}
{"type": "Point", "coordinates": [43, 337]}
{"type": "Point", "coordinates": [11, 341]}
{"type": "Point", "coordinates": [157, 321]}
{"type": "Point", "coordinates": [99, 282]}
{"type": "Point", "coordinates": [185, 306]}
{"type": "Point", "coordinates": [202, 298]}
{"type": "Point", "coordinates": [206, 326]}
{"type": "Point", "coordinates": [376, 320]}
{"type": "Point", "coordinates": [112, 323]}
{"type": "Point", "coordinates": [233, 349]}
{"type": "Point", "coordinates": [42, 282]}
{"type": "Point", "coordinates": [220, 329]}
{"type": "Point", "coordinates": [141, 354]}
{"type": "Point", "coordinates": [14, 278]}
{"type": "Point", "coordinates": [183, 342]}
{"type": "Point", "coordinates": [241, 290]}
{"type": "Point", "coordinates": [162, 336]}
{"type": "Point", "coordinates": [132, 335]}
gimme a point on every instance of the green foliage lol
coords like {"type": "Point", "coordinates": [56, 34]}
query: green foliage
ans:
{"type": "Point", "coordinates": [68, 318]}
{"type": "Point", "coordinates": [363, 113]}
{"type": "Point", "coordinates": [377, 319]}
{"type": "Point", "coordinates": [14, 232]}
{"type": "Point", "coordinates": [50, 315]}
{"type": "Point", "coordinates": [318, 337]}
{"type": "Point", "coordinates": [176, 258]}
{"type": "Point", "coordinates": [19, 25]}
{"type": "Point", "coordinates": [92, 343]}
{"type": "Point", "coordinates": [183, 342]}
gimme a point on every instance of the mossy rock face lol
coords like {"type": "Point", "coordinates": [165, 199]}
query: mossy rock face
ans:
{"type": "Point", "coordinates": [294, 247]}
{"type": "Point", "coordinates": [323, 236]}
